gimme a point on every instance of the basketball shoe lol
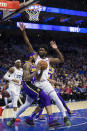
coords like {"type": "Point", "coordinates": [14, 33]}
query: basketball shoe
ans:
{"type": "Point", "coordinates": [67, 122]}
{"type": "Point", "coordinates": [29, 122]}
{"type": "Point", "coordinates": [11, 122]}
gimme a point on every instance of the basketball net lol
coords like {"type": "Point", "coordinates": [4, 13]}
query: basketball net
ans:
{"type": "Point", "coordinates": [34, 12]}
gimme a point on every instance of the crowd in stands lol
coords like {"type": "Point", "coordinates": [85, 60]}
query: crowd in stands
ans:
{"type": "Point", "coordinates": [72, 73]}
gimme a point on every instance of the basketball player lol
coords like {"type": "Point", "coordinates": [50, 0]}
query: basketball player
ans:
{"type": "Point", "coordinates": [43, 83]}
{"type": "Point", "coordinates": [33, 93]}
{"type": "Point", "coordinates": [14, 76]}
{"type": "Point", "coordinates": [53, 82]}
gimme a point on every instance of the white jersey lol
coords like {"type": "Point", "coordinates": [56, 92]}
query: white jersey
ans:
{"type": "Point", "coordinates": [45, 72]}
{"type": "Point", "coordinates": [17, 75]}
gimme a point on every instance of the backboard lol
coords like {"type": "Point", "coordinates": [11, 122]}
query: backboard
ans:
{"type": "Point", "coordinates": [9, 13]}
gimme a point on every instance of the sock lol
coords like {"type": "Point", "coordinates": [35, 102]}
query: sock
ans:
{"type": "Point", "coordinates": [50, 118]}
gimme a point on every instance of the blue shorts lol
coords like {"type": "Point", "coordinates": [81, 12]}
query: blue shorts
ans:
{"type": "Point", "coordinates": [35, 93]}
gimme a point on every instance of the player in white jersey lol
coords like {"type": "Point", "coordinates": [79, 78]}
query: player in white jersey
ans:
{"type": "Point", "coordinates": [14, 76]}
{"type": "Point", "coordinates": [43, 83]}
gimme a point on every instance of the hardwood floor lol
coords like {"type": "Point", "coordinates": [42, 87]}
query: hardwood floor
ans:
{"type": "Point", "coordinates": [8, 113]}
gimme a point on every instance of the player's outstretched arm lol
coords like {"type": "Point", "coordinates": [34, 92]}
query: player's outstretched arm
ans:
{"type": "Point", "coordinates": [60, 58]}
{"type": "Point", "coordinates": [22, 28]}
{"type": "Point", "coordinates": [7, 75]}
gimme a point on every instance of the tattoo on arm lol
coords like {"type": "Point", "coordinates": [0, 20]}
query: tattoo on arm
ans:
{"type": "Point", "coordinates": [27, 75]}
{"type": "Point", "coordinates": [26, 72]}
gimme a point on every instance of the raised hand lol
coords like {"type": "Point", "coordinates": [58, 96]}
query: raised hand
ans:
{"type": "Point", "coordinates": [53, 44]}
{"type": "Point", "coordinates": [21, 26]}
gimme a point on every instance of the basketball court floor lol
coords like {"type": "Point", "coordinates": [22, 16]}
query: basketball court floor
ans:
{"type": "Point", "coordinates": [78, 119]}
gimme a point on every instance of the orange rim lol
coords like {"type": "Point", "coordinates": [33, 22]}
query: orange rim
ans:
{"type": "Point", "coordinates": [35, 5]}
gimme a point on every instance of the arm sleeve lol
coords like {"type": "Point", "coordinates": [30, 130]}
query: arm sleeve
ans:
{"type": "Point", "coordinates": [7, 76]}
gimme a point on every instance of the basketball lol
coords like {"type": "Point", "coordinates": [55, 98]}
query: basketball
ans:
{"type": "Point", "coordinates": [43, 64]}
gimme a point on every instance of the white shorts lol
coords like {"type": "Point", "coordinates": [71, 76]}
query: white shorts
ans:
{"type": "Point", "coordinates": [45, 86]}
{"type": "Point", "coordinates": [15, 89]}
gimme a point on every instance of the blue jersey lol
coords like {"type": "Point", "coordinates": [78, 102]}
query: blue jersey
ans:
{"type": "Point", "coordinates": [32, 69]}
{"type": "Point", "coordinates": [50, 73]}
{"type": "Point", "coordinates": [30, 89]}
{"type": "Point", "coordinates": [28, 86]}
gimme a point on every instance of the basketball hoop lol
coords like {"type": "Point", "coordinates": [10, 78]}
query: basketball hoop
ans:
{"type": "Point", "coordinates": [33, 12]}
{"type": "Point", "coordinates": [22, 8]}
